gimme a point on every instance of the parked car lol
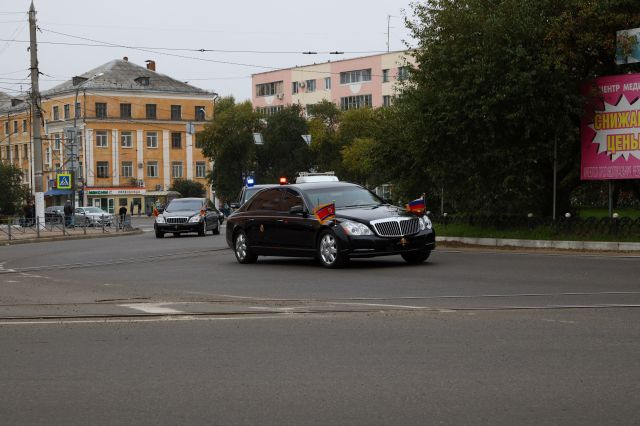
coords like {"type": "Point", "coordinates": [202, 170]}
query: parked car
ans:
{"type": "Point", "coordinates": [92, 216]}
{"type": "Point", "coordinates": [280, 221]}
{"type": "Point", "coordinates": [54, 214]}
{"type": "Point", "coordinates": [247, 192]}
{"type": "Point", "coordinates": [188, 215]}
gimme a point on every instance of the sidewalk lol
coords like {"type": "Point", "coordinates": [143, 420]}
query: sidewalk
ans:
{"type": "Point", "coordinates": [542, 244]}
{"type": "Point", "coordinates": [21, 235]}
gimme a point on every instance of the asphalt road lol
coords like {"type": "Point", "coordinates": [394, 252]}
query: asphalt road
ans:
{"type": "Point", "coordinates": [139, 330]}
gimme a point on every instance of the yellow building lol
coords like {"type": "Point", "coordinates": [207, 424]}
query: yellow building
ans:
{"type": "Point", "coordinates": [136, 135]}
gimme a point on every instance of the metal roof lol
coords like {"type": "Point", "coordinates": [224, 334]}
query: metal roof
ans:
{"type": "Point", "coordinates": [121, 75]}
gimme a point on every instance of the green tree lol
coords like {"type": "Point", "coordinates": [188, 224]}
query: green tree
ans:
{"type": "Point", "coordinates": [496, 84]}
{"type": "Point", "coordinates": [227, 140]}
{"type": "Point", "coordinates": [14, 193]}
{"type": "Point", "coordinates": [358, 158]}
{"type": "Point", "coordinates": [284, 152]}
{"type": "Point", "coordinates": [323, 127]}
{"type": "Point", "coordinates": [188, 188]}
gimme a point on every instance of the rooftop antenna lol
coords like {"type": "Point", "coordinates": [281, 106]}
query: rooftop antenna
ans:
{"type": "Point", "coordinates": [389, 28]}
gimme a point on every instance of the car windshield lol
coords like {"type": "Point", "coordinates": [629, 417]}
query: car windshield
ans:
{"type": "Point", "coordinates": [343, 196]}
{"type": "Point", "coordinates": [181, 205]}
{"type": "Point", "coordinates": [94, 210]}
{"type": "Point", "coordinates": [250, 192]}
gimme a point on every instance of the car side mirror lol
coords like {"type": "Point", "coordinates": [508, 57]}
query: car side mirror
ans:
{"type": "Point", "coordinates": [298, 210]}
{"type": "Point", "coordinates": [235, 205]}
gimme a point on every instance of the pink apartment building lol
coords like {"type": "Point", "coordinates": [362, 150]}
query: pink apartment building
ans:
{"type": "Point", "coordinates": [369, 81]}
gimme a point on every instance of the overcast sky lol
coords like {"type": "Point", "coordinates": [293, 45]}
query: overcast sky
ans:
{"type": "Point", "coordinates": [355, 26]}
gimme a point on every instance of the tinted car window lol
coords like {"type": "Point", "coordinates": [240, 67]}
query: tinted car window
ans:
{"type": "Point", "coordinates": [181, 204]}
{"type": "Point", "coordinates": [266, 200]}
{"type": "Point", "coordinates": [343, 196]}
{"type": "Point", "coordinates": [290, 198]}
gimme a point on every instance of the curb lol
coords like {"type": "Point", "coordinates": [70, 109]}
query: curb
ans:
{"type": "Point", "coordinates": [71, 237]}
{"type": "Point", "coordinates": [543, 244]}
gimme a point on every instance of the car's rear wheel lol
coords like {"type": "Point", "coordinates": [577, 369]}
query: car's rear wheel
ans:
{"type": "Point", "coordinates": [159, 234]}
{"type": "Point", "coordinates": [328, 251]}
{"type": "Point", "coordinates": [416, 257]}
{"type": "Point", "coordinates": [241, 248]}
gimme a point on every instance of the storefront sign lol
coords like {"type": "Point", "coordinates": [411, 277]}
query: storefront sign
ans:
{"type": "Point", "coordinates": [610, 132]}
{"type": "Point", "coordinates": [115, 191]}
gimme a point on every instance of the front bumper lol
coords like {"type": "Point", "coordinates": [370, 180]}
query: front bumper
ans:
{"type": "Point", "coordinates": [373, 245]}
{"type": "Point", "coordinates": [178, 227]}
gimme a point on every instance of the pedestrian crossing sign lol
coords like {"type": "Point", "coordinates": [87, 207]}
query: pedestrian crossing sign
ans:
{"type": "Point", "coordinates": [64, 180]}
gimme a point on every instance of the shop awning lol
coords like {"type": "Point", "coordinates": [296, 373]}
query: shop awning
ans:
{"type": "Point", "coordinates": [173, 194]}
{"type": "Point", "coordinates": [55, 192]}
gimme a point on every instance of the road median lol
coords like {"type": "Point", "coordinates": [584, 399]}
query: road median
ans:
{"type": "Point", "coordinates": [611, 246]}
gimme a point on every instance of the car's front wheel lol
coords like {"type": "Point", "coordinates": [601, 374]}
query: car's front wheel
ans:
{"type": "Point", "coordinates": [242, 250]}
{"type": "Point", "coordinates": [159, 234]}
{"type": "Point", "coordinates": [203, 229]}
{"type": "Point", "coordinates": [328, 251]}
{"type": "Point", "coordinates": [415, 257]}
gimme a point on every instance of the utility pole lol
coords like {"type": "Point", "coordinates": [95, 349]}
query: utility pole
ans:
{"type": "Point", "coordinates": [9, 138]}
{"type": "Point", "coordinates": [388, 27]}
{"type": "Point", "coordinates": [36, 118]}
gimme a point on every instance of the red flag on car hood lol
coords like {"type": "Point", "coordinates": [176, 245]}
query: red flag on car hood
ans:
{"type": "Point", "coordinates": [325, 212]}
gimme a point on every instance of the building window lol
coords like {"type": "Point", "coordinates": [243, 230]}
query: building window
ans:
{"type": "Point", "coordinates": [102, 168]}
{"type": "Point", "coordinates": [57, 168]}
{"type": "Point", "coordinates": [356, 76]}
{"type": "Point", "coordinates": [403, 73]}
{"type": "Point", "coordinates": [15, 126]}
{"type": "Point", "coordinates": [270, 110]}
{"type": "Point", "coordinates": [78, 110]}
{"type": "Point", "coordinates": [24, 126]}
{"type": "Point", "coordinates": [152, 139]}
{"type": "Point", "coordinates": [176, 169]}
{"type": "Point", "coordinates": [56, 113]}
{"type": "Point", "coordinates": [311, 86]}
{"type": "Point", "coordinates": [385, 76]}
{"type": "Point", "coordinates": [386, 100]}
{"type": "Point", "coordinates": [294, 87]}
{"type": "Point", "coordinates": [79, 170]}
{"type": "Point", "coordinates": [200, 113]}
{"type": "Point", "coordinates": [56, 141]}
{"type": "Point", "coordinates": [101, 139]}
{"type": "Point", "coordinates": [125, 110]}
{"type": "Point", "coordinates": [176, 140]}
{"type": "Point", "coordinates": [152, 169]}
{"type": "Point", "coordinates": [6, 128]}
{"type": "Point", "coordinates": [126, 139]}
{"type": "Point", "coordinates": [176, 112]}
{"type": "Point", "coordinates": [151, 111]}
{"type": "Point", "coordinates": [48, 156]}
{"type": "Point", "coordinates": [127, 169]}
{"type": "Point", "coordinates": [327, 83]}
{"type": "Point", "coordinates": [26, 151]}
{"type": "Point", "coordinates": [201, 169]}
{"type": "Point", "coordinates": [269, 89]}
{"type": "Point", "coordinates": [355, 102]}
{"type": "Point", "coordinates": [101, 110]}
{"type": "Point", "coordinates": [67, 108]}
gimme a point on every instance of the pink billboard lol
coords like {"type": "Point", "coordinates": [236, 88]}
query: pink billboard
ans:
{"type": "Point", "coordinates": [610, 132]}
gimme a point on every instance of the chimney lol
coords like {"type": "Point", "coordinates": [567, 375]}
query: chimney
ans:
{"type": "Point", "coordinates": [151, 65]}
{"type": "Point", "coordinates": [126, 59]}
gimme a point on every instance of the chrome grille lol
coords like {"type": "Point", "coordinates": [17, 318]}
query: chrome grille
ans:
{"type": "Point", "coordinates": [396, 227]}
{"type": "Point", "coordinates": [175, 220]}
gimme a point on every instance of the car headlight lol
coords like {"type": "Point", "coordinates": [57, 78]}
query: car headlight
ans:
{"type": "Point", "coordinates": [355, 228]}
{"type": "Point", "coordinates": [195, 219]}
{"type": "Point", "coordinates": [425, 223]}
{"type": "Point", "coordinates": [160, 219]}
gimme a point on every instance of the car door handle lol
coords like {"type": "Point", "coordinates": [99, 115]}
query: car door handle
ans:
{"type": "Point", "coordinates": [251, 220]}
{"type": "Point", "coordinates": [280, 220]}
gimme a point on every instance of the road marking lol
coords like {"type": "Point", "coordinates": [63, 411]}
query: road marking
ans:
{"type": "Point", "coordinates": [381, 305]}
{"type": "Point", "coordinates": [11, 281]}
{"type": "Point", "coordinates": [152, 308]}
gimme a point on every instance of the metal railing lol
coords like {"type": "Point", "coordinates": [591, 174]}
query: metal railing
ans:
{"type": "Point", "coordinates": [17, 227]}
{"type": "Point", "coordinates": [616, 227]}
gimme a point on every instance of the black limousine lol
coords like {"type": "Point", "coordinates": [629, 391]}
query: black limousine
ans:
{"type": "Point", "coordinates": [280, 221]}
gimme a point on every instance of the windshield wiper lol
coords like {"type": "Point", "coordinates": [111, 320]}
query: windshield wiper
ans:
{"type": "Point", "coordinates": [359, 205]}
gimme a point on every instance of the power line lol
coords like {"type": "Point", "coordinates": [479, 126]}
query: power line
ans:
{"type": "Point", "coordinates": [270, 68]}
{"type": "Point", "coordinates": [202, 50]}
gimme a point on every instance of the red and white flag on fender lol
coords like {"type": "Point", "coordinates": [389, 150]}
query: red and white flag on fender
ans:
{"type": "Point", "coordinates": [325, 212]}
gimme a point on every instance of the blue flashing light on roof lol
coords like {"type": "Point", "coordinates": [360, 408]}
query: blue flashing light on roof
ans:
{"type": "Point", "coordinates": [250, 181]}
